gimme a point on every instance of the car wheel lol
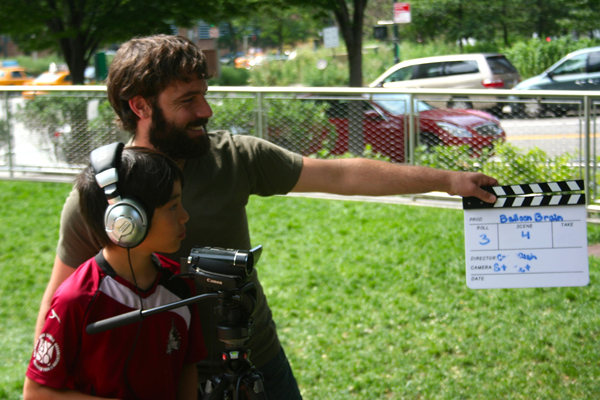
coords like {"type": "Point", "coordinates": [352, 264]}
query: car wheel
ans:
{"type": "Point", "coordinates": [460, 104]}
{"type": "Point", "coordinates": [429, 140]}
{"type": "Point", "coordinates": [559, 111]}
{"type": "Point", "coordinates": [533, 110]}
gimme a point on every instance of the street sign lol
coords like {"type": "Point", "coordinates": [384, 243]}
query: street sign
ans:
{"type": "Point", "coordinates": [331, 37]}
{"type": "Point", "coordinates": [402, 13]}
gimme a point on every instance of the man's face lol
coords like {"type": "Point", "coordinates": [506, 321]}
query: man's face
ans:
{"type": "Point", "coordinates": [179, 118]}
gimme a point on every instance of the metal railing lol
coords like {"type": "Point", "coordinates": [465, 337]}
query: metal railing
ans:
{"type": "Point", "coordinates": [516, 136]}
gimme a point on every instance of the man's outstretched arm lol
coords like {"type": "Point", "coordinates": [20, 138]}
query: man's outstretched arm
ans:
{"type": "Point", "coordinates": [359, 176]}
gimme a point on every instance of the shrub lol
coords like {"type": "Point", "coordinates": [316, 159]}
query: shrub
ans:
{"type": "Point", "coordinates": [509, 164]}
{"type": "Point", "coordinates": [231, 76]}
{"type": "Point", "coordinates": [534, 56]}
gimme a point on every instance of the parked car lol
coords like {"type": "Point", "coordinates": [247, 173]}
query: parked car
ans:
{"type": "Point", "coordinates": [579, 70]}
{"type": "Point", "coordinates": [49, 78]}
{"type": "Point", "coordinates": [385, 126]}
{"type": "Point", "coordinates": [14, 76]}
{"type": "Point", "coordinates": [463, 71]}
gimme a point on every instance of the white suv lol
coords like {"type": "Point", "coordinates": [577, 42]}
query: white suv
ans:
{"type": "Point", "coordinates": [462, 71]}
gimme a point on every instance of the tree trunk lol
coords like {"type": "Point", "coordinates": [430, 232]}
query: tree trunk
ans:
{"type": "Point", "coordinates": [352, 30]}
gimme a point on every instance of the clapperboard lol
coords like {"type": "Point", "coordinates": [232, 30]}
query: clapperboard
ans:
{"type": "Point", "coordinates": [534, 235]}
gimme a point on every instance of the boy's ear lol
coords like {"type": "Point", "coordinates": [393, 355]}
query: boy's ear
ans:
{"type": "Point", "coordinates": [140, 107]}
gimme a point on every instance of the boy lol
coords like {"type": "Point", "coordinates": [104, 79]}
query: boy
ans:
{"type": "Point", "coordinates": [156, 358]}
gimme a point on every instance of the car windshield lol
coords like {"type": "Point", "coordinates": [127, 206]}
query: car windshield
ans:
{"type": "Point", "coordinates": [397, 104]}
{"type": "Point", "coordinates": [46, 77]}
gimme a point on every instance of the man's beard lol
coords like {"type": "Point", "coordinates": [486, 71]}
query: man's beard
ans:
{"type": "Point", "coordinates": [174, 140]}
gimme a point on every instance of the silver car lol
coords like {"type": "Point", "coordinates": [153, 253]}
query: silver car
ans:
{"type": "Point", "coordinates": [462, 71]}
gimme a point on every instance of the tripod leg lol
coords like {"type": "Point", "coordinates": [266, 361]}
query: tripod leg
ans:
{"type": "Point", "coordinates": [253, 385]}
{"type": "Point", "coordinates": [215, 388]}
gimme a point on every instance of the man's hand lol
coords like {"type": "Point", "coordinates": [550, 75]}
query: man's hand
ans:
{"type": "Point", "coordinates": [468, 184]}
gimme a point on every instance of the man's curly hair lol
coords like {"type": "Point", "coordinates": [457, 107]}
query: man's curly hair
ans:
{"type": "Point", "coordinates": [146, 66]}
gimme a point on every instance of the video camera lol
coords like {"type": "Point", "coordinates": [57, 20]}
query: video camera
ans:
{"type": "Point", "coordinates": [218, 268]}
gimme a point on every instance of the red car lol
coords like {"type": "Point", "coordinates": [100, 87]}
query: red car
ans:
{"type": "Point", "coordinates": [385, 125]}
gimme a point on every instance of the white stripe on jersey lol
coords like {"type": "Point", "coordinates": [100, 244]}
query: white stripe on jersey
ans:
{"type": "Point", "coordinates": [127, 297]}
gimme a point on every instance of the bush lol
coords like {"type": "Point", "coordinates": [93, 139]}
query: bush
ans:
{"type": "Point", "coordinates": [534, 56]}
{"type": "Point", "coordinates": [60, 122]}
{"type": "Point", "coordinates": [508, 164]}
{"type": "Point", "coordinates": [297, 125]}
{"type": "Point", "coordinates": [231, 76]}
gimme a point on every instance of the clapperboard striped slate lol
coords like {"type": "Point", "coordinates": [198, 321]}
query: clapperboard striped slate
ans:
{"type": "Point", "coordinates": [534, 235]}
{"type": "Point", "coordinates": [531, 195]}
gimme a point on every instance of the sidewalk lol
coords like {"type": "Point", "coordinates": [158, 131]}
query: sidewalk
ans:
{"type": "Point", "coordinates": [594, 250]}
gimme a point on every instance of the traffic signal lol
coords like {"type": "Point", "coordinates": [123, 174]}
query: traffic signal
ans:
{"type": "Point", "coordinates": [380, 32]}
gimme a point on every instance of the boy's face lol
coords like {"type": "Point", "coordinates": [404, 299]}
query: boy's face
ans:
{"type": "Point", "coordinates": [167, 228]}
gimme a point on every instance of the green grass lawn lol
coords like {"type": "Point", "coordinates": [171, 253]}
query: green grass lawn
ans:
{"type": "Point", "coordinates": [370, 302]}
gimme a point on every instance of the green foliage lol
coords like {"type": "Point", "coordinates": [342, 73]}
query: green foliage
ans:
{"type": "Point", "coordinates": [452, 158]}
{"type": "Point", "coordinates": [60, 123]}
{"type": "Point", "coordinates": [294, 124]}
{"type": "Point", "coordinates": [104, 128]}
{"type": "Point", "coordinates": [508, 164]}
{"type": "Point", "coordinates": [299, 126]}
{"type": "Point", "coordinates": [534, 56]}
{"type": "Point", "coordinates": [231, 77]}
{"type": "Point", "coordinates": [515, 166]}
{"type": "Point", "coordinates": [235, 113]}
{"type": "Point", "coordinates": [325, 153]}
{"type": "Point", "coordinates": [301, 70]}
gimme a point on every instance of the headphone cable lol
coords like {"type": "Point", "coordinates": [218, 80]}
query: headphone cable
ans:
{"type": "Point", "coordinates": [137, 335]}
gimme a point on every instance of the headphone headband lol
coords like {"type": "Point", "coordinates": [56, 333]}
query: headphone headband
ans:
{"type": "Point", "coordinates": [104, 161]}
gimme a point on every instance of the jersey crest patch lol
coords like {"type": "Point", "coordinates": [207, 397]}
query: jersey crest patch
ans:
{"type": "Point", "coordinates": [174, 338]}
{"type": "Point", "coordinates": [47, 353]}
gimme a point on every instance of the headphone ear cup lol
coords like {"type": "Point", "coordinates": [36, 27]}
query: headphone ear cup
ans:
{"type": "Point", "coordinates": [126, 223]}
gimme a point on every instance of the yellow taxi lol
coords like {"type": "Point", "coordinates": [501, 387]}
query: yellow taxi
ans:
{"type": "Point", "coordinates": [49, 78]}
{"type": "Point", "coordinates": [53, 78]}
{"type": "Point", "coordinates": [14, 76]}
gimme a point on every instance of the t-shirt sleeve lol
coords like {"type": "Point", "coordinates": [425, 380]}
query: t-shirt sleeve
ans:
{"type": "Point", "coordinates": [271, 169]}
{"type": "Point", "coordinates": [76, 243]}
{"type": "Point", "coordinates": [55, 350]}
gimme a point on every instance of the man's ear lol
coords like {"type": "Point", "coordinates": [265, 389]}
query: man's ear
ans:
{"type": "Point", "coordinates": [140, 107]}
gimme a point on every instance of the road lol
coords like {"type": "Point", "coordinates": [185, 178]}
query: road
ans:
{"type": "Point", "coordinates": [556, 136]}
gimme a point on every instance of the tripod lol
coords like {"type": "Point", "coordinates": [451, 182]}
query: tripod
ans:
{"type": "Point", "coordinates": [239, 377]}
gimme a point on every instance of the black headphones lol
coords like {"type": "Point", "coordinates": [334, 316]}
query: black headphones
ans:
{"type": "Point", "coordinates": [125, 221]}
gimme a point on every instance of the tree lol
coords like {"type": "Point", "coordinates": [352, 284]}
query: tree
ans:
{"type": "Point", "coordinates": [77, 29]}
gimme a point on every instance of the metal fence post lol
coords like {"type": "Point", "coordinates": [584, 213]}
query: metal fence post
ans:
{"type": "Point", "coordinates": [594, 158]}
{"type": "Point", "coordinates": [587, 147]}
{"type": "Point", "coordinates": [259, 116]}
{"type": "Point", "coordinates": [412, 137]}
{"type": "Point", "coordinates": [9, 135]}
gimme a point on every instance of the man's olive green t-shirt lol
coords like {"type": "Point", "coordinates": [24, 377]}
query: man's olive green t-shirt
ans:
{"type": "Point", "coordinates": [216, 189]}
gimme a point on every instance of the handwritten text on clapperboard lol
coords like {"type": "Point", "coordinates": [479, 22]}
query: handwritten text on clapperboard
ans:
{"type": "Point", "coordinates": [533, 246]}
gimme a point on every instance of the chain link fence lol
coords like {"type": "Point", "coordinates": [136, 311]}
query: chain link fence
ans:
{"type": "Point", "coordinates": [533, 137]}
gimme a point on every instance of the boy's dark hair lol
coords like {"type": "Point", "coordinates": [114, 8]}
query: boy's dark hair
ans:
{"type": "Point", "coordinates": [144, 174]}
{"type": "Point", "coordinates": [146, 66]}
